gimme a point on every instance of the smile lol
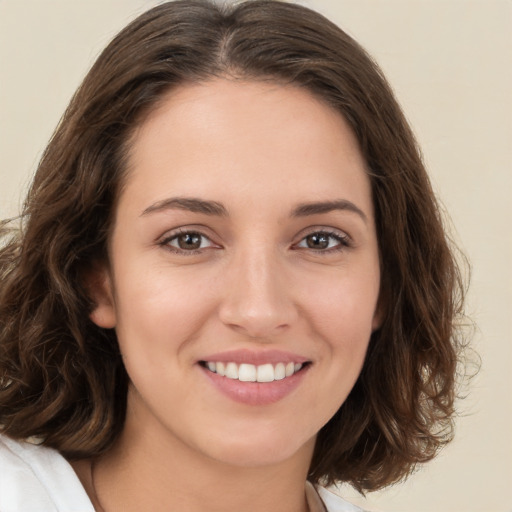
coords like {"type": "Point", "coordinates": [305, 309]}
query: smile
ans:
{"type": "Point", "coordinates": [255, 377]}
{"type": "Point", "coordinates": [253, 373]}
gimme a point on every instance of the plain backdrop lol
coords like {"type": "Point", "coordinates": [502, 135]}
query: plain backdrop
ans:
{"type": "Point", "coordinates": [449, 62]}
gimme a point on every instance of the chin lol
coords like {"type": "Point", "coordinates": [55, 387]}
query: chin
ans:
{"type": "Point", "coordinates": [254, 453]}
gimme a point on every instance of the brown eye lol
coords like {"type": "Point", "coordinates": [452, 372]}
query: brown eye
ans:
{"type": "Point", "coordinates": [324, 241]}
{"type": "Point", "coordinates": [318, 241]}
{"type": "Point", "coordinates": [188, 241]}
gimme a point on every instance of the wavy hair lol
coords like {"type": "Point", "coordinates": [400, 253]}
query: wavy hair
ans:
{"type": "Point", "coordinates": [62, 377]}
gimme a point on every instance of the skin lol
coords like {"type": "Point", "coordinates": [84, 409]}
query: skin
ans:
{"type": "Point", "coordinates": [260, 150]}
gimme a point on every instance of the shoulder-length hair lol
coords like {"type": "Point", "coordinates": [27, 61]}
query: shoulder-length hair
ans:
{"type": "Point", "coordinates": [62, 378]}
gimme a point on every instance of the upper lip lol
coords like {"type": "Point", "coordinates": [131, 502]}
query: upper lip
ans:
{"type": "Point", "coordinates": [243, 356]}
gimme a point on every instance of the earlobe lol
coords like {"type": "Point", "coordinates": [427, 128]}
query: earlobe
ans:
{"type": "Point", "coordinates": [99, 286]}
{"type": "Point", "coordinates": [103, 316]}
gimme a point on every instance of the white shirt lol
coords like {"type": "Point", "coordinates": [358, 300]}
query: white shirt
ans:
{"type": "Point", "coordinates": [38, 479]}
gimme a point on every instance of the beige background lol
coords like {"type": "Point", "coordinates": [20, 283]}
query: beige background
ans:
{"type": "Point", "coordinates": [450, 64]}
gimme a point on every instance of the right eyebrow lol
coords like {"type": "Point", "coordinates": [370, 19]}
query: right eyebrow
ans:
{"type": "Point", "coordinates": [316, 208]}
{"type": "Point", "coordinates": [190, 204]}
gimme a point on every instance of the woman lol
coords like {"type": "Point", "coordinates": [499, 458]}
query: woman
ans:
{"type": "Point", "coordinates": [231, 283]}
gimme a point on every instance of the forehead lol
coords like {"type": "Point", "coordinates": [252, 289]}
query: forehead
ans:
{"type": "Point", "coordinates": [225, 134]}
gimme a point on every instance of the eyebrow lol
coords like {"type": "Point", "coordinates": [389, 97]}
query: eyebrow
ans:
{"type": "Point", "coordinates": [316, 208]}
{"type": "Point", "coordinates": [190, 204]}
{"type": "Point", "coordinates": [205, 207]}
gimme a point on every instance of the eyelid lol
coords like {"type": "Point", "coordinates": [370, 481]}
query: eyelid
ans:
{"type": "Point", "coordinates": [345, 240]}
{"type": "Point", "coordinates": [172, 234]}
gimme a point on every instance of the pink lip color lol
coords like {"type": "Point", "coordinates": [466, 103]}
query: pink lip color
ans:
{"type": "Point", "coordinates": [255, 357]}
{"type": "Point", "coordinates": [256, 393]}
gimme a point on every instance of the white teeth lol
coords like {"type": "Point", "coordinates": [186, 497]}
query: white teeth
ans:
{"type": "Point", "coordinates": [265, 373]}
{"type": "Point", "coordinates": [220, 368]}
{"type": "Point", "coordinates": [279, 371]}
{"type": "Point", "coordinates": [247, 373]}
{"type": "Point", "coordinates": [232, 371]}
{"type": "Point", "coordinates": [251, 373]}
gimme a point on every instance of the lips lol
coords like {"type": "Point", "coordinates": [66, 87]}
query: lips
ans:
{"type": "Point", "coordinates": [255, 378]}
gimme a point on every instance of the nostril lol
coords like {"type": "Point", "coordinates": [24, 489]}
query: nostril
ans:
{"type": "Point", "coordinates": [260, 323]}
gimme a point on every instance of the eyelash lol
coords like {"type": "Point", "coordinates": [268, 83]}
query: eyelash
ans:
{"type": "Point", "coordinates": [343, 242]}
{"type": "Point", "coordinates": [183, 232]}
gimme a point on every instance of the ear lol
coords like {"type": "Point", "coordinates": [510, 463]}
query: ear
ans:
{"type": "Point", "coordinates": [99, 286]}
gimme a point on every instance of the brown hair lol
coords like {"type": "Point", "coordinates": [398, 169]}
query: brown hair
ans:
{"type": "Point", "coordinates": [61, 377]}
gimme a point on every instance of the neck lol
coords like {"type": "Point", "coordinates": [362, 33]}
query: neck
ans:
{"type": "Point", "coordinates": [141, 474]}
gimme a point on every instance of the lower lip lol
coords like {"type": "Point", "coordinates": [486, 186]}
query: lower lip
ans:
{"type": "Point", "coordinates": [256, 393]}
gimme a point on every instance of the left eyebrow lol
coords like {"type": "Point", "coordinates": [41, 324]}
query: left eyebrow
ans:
{"type": "Point", "coordinates": [190, 204]}
{"type": "Point", "coordinates": [305, 209]}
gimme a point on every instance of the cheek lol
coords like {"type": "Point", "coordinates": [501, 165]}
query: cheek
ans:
{"type": "Point", "coordinates": [341, 316]}
{"type": "Point", "coordinates": [344, 306]}
{"type": "Point", "coordinates": [159, 307]}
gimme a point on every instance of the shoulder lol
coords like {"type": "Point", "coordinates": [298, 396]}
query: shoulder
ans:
{"type": "Point", "coordinates": [333, 503]}
{"type": "Point", "coordinates": [38, 479]}
{"type": "Point", "coordinates": [321, 499]}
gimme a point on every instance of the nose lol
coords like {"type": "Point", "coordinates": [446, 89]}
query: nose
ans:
{"type": "Point", "coordinates": [257, 300]}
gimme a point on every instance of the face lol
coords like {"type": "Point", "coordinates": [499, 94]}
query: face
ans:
{"type": "Point", "coordinates": [244, 272]}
